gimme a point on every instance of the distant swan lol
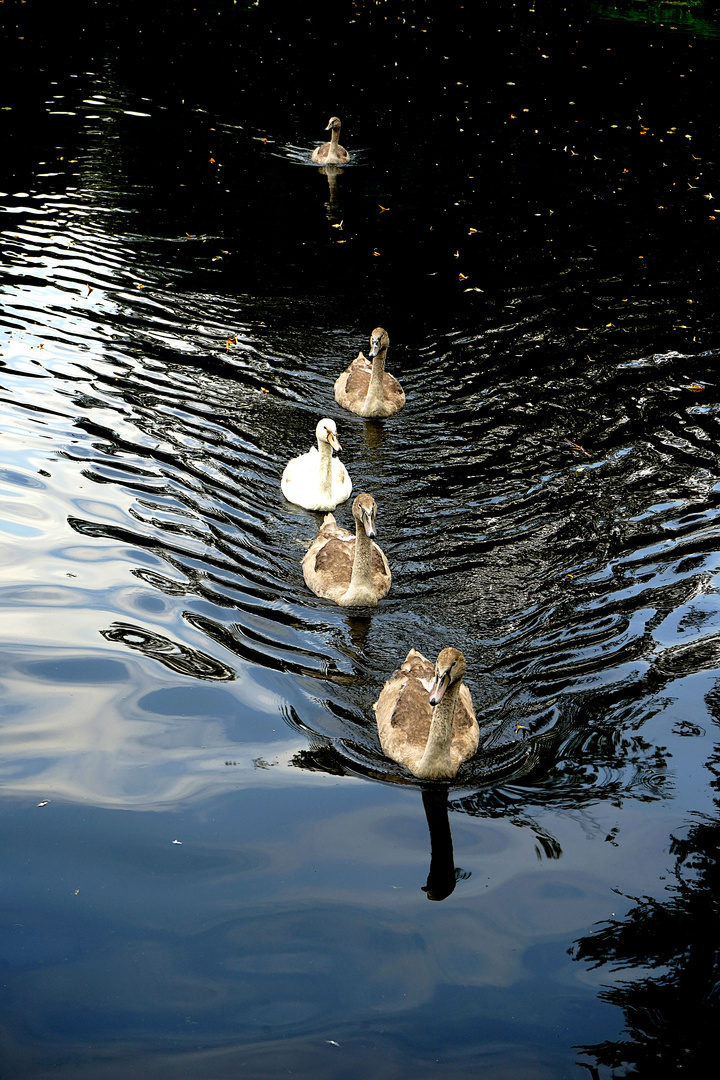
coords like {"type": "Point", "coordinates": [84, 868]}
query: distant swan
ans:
{"type": "Point", "coordinates": [331, 153]}
{"type": "Point", "coordinates": [317, 480]}
{"type": "Point", "coordinates": [351, 570]}
{"type": "Point", "coordinates": [431, 735]}
{"type": "Point", "coordinates": [367, 389]}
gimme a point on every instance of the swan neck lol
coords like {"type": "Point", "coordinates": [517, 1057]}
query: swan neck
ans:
{"type": "Point", "coordinates": [333, 155]}
{"type": "Point", "coordinates": [360, 590]}
{"type": "Point", "coordinates": [375, 394]}
{"type": "Point", "coordinates": [436, 761]}
{"type": "Point", "coordinates": [325, 470]}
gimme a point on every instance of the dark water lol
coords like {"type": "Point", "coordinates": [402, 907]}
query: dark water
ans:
{"type": "Point", "coordinates": [210, 869]}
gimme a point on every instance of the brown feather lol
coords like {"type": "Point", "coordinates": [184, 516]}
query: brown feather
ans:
{"type": "Point", "coordinates": [404, 714]}
{"type": "Point", "coordinates": [328, 564]}
{"type": "Point", "coordinates": [352, 386]}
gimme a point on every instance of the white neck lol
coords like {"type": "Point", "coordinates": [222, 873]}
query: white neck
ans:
{"type": "Point", "coordinates": [361, 591]}
{"type": "Point", "coordinates": [375, 395]}
{"type": "Point", "coordinates": [436, 762]}
{"type": "Point", "coordinates": [325, 469]}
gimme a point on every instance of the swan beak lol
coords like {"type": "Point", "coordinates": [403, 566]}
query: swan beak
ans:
{"type": "Point", "coordinates": [334, 441]}
{"type": "Point", "coordinates": [438, 688]}
{"type": "Point", "coordinates": [329, 126]}
{"type": "Point", "coordinates": [375, 349]}
{"type": "Point", "coordinates": [368, 525]}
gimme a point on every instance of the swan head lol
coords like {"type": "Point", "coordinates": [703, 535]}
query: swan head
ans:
{"type": "Point", "coordinates": [333, 124]}
{"type": "Point", "coordinates": [379, 341]}
{"type": "Point", "coordinates": [449, 668]}
{"type": "Point", "coordinates": [364, 510]}
{"type": "Point", "coordinates": [327, 432]}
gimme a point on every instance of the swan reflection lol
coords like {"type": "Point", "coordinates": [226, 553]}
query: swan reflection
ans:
{"type": "Point", "coordinates": [333, 203]}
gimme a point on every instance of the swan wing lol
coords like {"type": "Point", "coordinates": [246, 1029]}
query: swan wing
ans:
{"type": "Point", "coordinates": [393, 390]}
{"type": "Point", "coordinates": [341, 482]}
{"type": "Point", "coordinates": [403, 711]}
{"type": "Point", "coordinates": [466, 733]}
{"type": "Point", "coordinates": [301, 469]}
{"type": "Point", "coordinates": [352, 385]}
{"type": "Point", "coordinates": [381, 576]}
{"type": "Point", "coordinates": [327, 567]}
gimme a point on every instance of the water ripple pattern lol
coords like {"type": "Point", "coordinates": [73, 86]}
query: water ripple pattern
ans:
{"type": "Point", "coordinates": [548, 501]}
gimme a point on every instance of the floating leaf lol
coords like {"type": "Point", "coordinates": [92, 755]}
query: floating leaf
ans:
{"type": "Point", "coordinates": [578, 447]}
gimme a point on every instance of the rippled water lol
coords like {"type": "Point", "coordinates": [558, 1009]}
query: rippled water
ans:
{"type": "Point", "coordinates": [211, 867]}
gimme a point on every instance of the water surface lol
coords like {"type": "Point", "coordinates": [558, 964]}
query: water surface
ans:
{"type": "Point", "coordinates": [210, 865]}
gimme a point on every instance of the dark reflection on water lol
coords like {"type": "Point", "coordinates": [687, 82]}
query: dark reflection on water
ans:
{"type": "Point", "coordinates": [211, 865]}
{"type": "Point", "coordinates": [671, 1008]}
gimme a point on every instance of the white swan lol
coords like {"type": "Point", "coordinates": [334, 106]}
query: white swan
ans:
{"type": "Point", "coordinates": [431, 735]}
{"type": "Point", "coordinates": [368, 389]}
{"type": "Point", "coordinates": [331, 153]}
{"type": "Point", "coordinates": [317, 480]}
{"type": "Point", "coordinates": [351, 570]}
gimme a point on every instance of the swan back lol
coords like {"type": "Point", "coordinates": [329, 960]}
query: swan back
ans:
{"type": "Point", "coordinates": [331, 153]}
{"type": "Point", "coordinates": [317, 480]}
{"type": "Point", "coordinates": [425, 715]}
{"type": "Point", "coordinates": [351, 570]}
{"type": "Point", "coordinates": [365, 387]}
